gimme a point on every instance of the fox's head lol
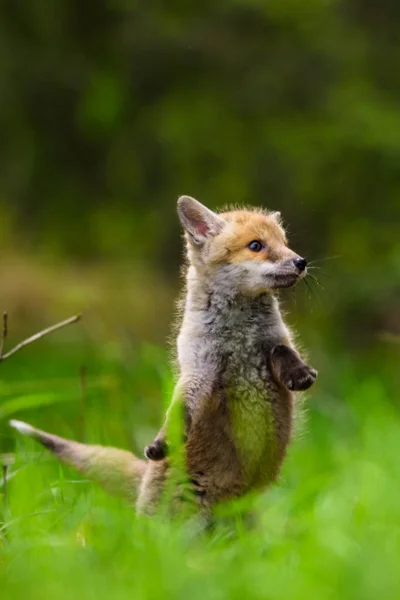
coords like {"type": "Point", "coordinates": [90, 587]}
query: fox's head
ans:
{"type": "Point", "coordinates": [246, 249]}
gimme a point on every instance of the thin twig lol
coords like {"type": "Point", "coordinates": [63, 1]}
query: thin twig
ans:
{"type": "Point", "coordinates": [39, 335]}
{"type": "Point", "coordinates": [4, 333]}
{"type": "Point", "coordinates": [83, 382]}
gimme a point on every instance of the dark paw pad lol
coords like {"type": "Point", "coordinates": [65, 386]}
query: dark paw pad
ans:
{"type": "Point", "coordinates": [300, 378]}
{"type": "Point", "coordinates": [157, 450]}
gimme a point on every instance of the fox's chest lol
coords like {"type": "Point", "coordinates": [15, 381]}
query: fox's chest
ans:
{"type": "Point", "coordinates": [252, 416]}
{"type": "Point", "coordinates": [253, 431]}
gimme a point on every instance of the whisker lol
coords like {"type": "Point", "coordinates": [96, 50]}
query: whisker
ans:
{"type": "Point", "coordinates": [323, 274]}
{"type": "Point", "coordinates": [315, 293]}
{"type": "Point", "coordinates": [311, 295]}
{"type": "Point", "coordinates": [316, 281]}
{"type": "Point", "coordinates": [318, 260]}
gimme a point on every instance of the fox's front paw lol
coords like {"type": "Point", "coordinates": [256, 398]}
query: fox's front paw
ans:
{"type": "Point", "coordinates": [299, 378]}
{"type": "Point", "coordinates": [157, 450]}
{"type": "Point", "coordinates": [290, 370]}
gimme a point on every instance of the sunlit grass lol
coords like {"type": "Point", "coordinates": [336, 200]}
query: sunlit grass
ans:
{"type": "Point", "coordinates": [330, 529]}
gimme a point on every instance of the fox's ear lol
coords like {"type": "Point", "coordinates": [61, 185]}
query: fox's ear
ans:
{"type": "Point", "coordinates": [198, 220]}
{"type": "Point", "coordinates": [276, 215]}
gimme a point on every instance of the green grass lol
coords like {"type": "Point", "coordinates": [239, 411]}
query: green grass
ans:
{"type": "Point", "coordinates": [330, 529]}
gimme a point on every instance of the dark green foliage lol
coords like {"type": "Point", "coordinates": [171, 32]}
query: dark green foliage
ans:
{"type": "Point", "coordinates": [110, 110]}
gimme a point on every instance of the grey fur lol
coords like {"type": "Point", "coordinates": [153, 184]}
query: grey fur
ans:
{"type": "Point", "coordinates": [240, 409]}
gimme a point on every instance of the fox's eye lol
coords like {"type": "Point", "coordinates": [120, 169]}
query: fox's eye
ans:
{"type": "Point", "coordinates": [255, 246]}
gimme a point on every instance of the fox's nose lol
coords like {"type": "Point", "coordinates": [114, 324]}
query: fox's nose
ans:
{"type": "Point", "coordinates": [300, 263]}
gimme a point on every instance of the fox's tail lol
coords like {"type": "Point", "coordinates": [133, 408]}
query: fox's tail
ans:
{"type": "Point", "coordinates": [117, 471]}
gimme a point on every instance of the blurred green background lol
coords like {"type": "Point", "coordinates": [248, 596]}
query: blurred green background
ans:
{"type": "Point", "coordinates": [109, 110]}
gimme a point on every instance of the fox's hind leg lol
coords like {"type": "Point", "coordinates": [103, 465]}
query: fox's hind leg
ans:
{"type": "Point", "coordinates": [169, 490]}
{"type": "Point", "coordinates": [151, 487]}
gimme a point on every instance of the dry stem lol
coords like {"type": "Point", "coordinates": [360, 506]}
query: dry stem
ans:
{"type": "Point", "coordinates": [33, 338]}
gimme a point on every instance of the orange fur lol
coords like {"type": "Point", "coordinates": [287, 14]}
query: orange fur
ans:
{"type": "Point", "coordinates": [244, 227]}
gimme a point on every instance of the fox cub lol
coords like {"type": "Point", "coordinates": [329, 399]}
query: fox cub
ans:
{"type": "Point", "coordinates": [235, 258]}
{"type": "Point", "coordinates": [237, 366]}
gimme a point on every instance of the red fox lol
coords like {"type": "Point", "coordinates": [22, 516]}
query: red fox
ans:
{"type": "Point", "coordinates": [237, 367]}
